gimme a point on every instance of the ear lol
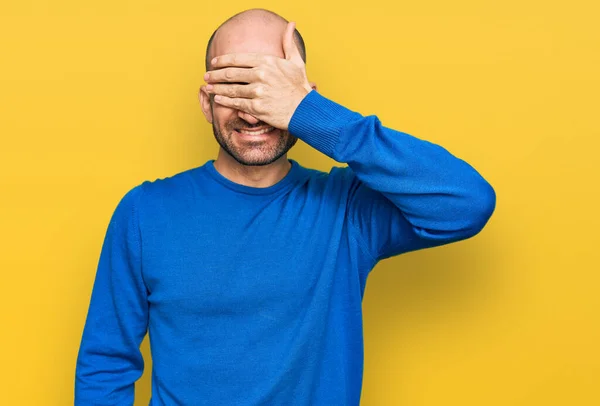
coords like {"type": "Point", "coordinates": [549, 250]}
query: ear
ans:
{"type": "Point", "coordinates": [204, 98]}
{"type": "Point", "coordinates": [313, 85]}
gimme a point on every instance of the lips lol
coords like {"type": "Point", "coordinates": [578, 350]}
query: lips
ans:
{"type": "Point", "coordinates": [255, 131]}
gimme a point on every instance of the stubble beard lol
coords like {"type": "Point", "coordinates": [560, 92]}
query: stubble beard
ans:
{"type": "Point", "coordinates": [253, 153]}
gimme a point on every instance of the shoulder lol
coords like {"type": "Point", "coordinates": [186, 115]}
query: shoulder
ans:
{"type": "Point", "coordinates": [168, 186]}
{"type": "Point", "coordinates": [334, 173]}
{"type": "Point", "coordinates": [156, 193]}
{"type": "Point", "coordinates": [338, 179]}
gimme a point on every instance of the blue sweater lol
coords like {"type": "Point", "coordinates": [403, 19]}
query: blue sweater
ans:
{"type": "Point", "coordinates": [252, 296]}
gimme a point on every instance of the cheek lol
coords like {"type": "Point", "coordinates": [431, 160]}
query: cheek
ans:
{"type": "Point", "coordinates": [223, 115]}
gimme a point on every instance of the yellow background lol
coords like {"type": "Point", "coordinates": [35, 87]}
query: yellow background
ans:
{"type": "Point", "coordinates": [97, 96]}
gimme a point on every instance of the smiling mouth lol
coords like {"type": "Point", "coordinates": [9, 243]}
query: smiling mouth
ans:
{"type": "Point", "coordinates": [254, 131]}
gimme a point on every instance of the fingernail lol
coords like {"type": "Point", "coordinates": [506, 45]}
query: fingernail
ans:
{"type": "Point", "coordinates": [206, 76]}
{"type": "Point", "coordinates": [209, 87]}
{"type": "Point", "coordinates": [213, 61]}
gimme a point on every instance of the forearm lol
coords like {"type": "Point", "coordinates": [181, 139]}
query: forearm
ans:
{"type": "Point", "coordinates": [442, 196]}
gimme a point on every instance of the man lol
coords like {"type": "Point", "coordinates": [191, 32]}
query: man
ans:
{"type": "Point", "coordinates": [248, 272]}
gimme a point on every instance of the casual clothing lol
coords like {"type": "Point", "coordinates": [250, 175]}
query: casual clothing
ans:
{"type": "Point", "coordinates": [252, 296]}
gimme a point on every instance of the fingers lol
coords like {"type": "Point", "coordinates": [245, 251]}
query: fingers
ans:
{"type": "Point", "coordinates": [290, 49]}
{"type": "Point", "coordinates": [236, 91]}
{"type": "Point", "coordinates": [244, 105]}
{"type": "Point", "coordinates": [288, 40]}
{"type": "Point", "coordinates": [231, 75]}
{"type": "Point", "coordinates": [249, 60]}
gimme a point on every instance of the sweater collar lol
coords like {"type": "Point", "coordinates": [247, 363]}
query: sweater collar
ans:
{"type": "Point", "coordinates": [289, 180]}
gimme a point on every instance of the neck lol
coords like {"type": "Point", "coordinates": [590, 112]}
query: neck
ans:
{"type": "Point", "coordinates": [253, 176]}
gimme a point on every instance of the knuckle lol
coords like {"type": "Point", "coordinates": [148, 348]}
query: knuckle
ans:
{"type": "Point", "coordinates": [258, 106]}
{"type": "Point", "coordinates": [228, 74]}
{"type": "Point", "coordinates": [252, 109]}
{"type": "Point", "coordinates": [261, 75]}
{"type": "Point", "coordinates": [259, 91]}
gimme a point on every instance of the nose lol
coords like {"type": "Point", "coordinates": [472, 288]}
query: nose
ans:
{"type": "Point", "coordinates": [248, 117]}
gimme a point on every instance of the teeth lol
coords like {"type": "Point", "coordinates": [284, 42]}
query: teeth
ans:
{"type": "Point", "coordinates": [264, 131]}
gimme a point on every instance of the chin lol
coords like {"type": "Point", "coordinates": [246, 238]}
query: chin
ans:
{"type": "Point", "coordinates": [251, 159]}
{"type": "Point", "coordinates": [260, 151]}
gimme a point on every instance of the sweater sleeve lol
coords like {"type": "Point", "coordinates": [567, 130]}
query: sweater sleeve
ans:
{"type": "Point", "coordinates": [109, 360]}
{"type": "Point", "coordinates": [406, 193]}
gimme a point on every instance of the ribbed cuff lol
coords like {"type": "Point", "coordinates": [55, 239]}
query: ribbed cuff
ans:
{"type": "Point", "coordinates": [318, 121]}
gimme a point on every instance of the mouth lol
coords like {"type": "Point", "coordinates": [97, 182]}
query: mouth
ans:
{"type": "Point", "coordinates": [255, 132]}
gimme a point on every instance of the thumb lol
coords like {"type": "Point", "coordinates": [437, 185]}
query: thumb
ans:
{"type": "Point", "coordinates": [289, 46]}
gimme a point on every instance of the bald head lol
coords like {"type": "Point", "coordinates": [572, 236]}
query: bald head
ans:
{"type": "Point", "coordinates": [256, 31]}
